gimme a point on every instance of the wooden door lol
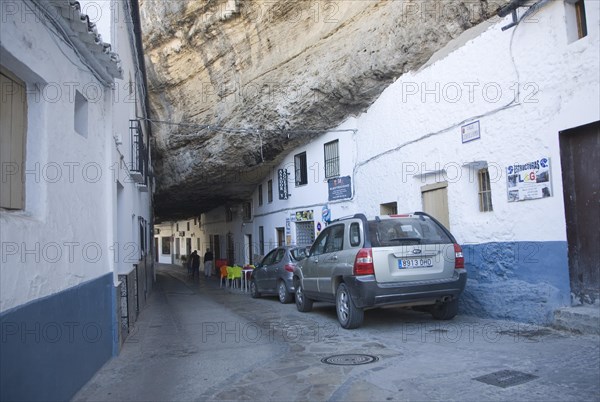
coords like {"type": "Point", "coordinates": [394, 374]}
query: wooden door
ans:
{"type": "Point", "coordinates": [580, 159]}
{"type": "Point", "coordinates": [435, 202]}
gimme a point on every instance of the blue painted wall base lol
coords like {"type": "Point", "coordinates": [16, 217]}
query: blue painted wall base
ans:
{"type": "Point", "coordinates": [521, 281]}
{"type": "Point", "coordinates": [51, 347]}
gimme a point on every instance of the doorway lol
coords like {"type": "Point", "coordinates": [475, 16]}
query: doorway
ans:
{"type": "Point", "coordinates": [249, 250]}
{"type": "Point", "coordinates": [280, 237]}
{"type": "Point", "coordinates": [435, 202]}
{"type": "Point", "coordinates": [188, 246]}
{"type": "Point", "coordinates": [580, 158]}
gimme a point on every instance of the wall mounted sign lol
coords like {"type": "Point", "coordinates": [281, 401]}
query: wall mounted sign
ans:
{"type": "Point", "coordinates": [529, 180]}
{"type": "Point", "coordinates": [340, 188]}
{"type": "Point", "coordinates": [282, 180]}
{"type": "Point", "coordinates": [304, 216]}
{"type": "Point", "coordinates": [326, 214]}
{"type": "Point", "coordinates": [470, 132]}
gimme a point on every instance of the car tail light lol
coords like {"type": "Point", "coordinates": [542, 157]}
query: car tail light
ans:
{"type": "Point", "coordinates": [289, 267]}
{"type": "Point", "coordinates": [363, 264]}
{"type": "Point", "coordinates": [459, 259]}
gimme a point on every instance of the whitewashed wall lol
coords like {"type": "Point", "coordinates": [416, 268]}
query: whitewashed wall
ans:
{"type": "Point", "coordinates": [62, 236]}
{"type": "Point", "coordinates": [523, 85]}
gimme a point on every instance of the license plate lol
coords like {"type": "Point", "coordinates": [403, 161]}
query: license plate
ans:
{"type": "Point", "coordinates": [415, 263]}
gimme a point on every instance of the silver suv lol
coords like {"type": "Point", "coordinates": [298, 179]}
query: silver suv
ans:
{"type": "Point", "coordinates": [407, 260]}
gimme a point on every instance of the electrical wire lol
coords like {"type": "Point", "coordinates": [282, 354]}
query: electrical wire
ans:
{"type": "Point", "coordinates": [66, 38]}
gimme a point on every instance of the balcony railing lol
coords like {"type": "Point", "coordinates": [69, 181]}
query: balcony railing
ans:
{"type": "Point", "coordinates": [138, 166]}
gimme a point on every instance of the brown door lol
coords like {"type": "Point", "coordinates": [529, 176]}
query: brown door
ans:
{"type": "Point", "coordinates": [580, 159]}
{"type": "Point", "coordinates": [435, 202]}
{"type": "Point", "coordinates": [280, 237]}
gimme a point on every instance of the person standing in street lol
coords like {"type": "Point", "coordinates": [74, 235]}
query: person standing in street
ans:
{"type": "Point", "coordinates": [195, 264]}
{"type": "Point", "coordinates": [208, 263]}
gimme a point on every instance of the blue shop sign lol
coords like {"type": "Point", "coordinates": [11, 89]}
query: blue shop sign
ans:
{"type": "Point", "coordinates": [340, 188]}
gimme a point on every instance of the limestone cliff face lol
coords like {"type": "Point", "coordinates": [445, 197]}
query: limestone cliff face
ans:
{"type": "Point", "coordinates": [269, 75]}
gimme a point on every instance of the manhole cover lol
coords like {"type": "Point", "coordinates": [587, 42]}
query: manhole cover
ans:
{"type": "Point", "coordinates": [349, 359]}
{"type": "Point", "coordinates": [506, 378]}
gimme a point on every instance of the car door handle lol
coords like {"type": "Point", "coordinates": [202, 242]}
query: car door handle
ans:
{"type": "Point", "coordinates": [334, 258]}
{"type": "Point", "coordinates": [315, 260]}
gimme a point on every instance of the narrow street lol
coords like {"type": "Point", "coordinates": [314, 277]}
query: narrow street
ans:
{"type": "Point", "coordinates": [196, 341]}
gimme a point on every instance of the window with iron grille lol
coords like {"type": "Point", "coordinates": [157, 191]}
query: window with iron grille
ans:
{"type": "Point", "coordinates": [270, 191]}
{"type": "Point", "coordinates": [332, 159]}
{"type": "Point", "coordinates": [305, 233]}
{"type": "Point", "coordinates": [260, 195]}
{"type": "Point", "coordinates": [485, 191]}
{"type": "Point", "coordinates": [301, 169]}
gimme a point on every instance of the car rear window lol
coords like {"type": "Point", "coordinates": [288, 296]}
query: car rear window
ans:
{"type": "Point", "coordinates": [406, 231]}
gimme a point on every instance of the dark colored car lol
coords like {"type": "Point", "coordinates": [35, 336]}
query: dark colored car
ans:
{"type": "Point", "coordinates": [407, 260]}
{"type": "Point", "coordinates": [273, 276]}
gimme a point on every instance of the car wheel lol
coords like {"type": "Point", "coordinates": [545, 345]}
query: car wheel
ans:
{"type": "Point", "coordinates": [348, 314]}
{"type": "Point", "coordinates": [282, 292]}
{"type": "Point", "coordinates": [254, 289]}
{"type": "Point", "coordinates": [445, 311]}
{"type": "Point", "coordinates": [303, 303]}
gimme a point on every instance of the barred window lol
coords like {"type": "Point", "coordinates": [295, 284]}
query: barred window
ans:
{"type": "Point", "coordinates": [485, 191]}
{"type": "Point", "coordinates": [332, 159]}
{"type": "Point", "coordinates": [301, 169]}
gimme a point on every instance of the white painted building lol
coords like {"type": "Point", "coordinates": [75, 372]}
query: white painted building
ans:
{"type": "Point", "coordinates": [176, 239]}
{"type": "Point", "coordinates": [481, 137]}
{"type": "Point", "coordinates": [75, 213]}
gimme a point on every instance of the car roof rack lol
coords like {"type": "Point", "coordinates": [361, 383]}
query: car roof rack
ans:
{"type": "Point", "coordinates": [355, 216]}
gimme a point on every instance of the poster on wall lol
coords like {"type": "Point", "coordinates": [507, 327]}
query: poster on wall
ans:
{"type": "Point", "coordinates": [303, 216]}
{"type": "Point", "coordinates": [529, 180]}
{"type": "Point", "coordinates": [340, 188]}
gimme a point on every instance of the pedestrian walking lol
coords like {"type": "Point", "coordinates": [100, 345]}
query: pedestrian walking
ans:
{"type": "Point", "coordinates": [195, 264]}
{"type": "Point", "coordinates": [208, 263]}
{"type": "Point", "coordinates": [188, 264]}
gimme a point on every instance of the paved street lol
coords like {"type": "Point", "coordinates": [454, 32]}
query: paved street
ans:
{"type": "Point", "coordinates": [195, 341]}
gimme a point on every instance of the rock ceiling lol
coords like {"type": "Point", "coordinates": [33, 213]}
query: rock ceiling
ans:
{"type": "Point", "coordinates": [235, 85]}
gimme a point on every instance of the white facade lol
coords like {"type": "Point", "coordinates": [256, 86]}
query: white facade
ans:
{"type": "Point", "coordinates": [85, 221]}
{"type": "Point", "coordinates": [523, 86]}
{"type": "Point", "coordinates": [175, 239]}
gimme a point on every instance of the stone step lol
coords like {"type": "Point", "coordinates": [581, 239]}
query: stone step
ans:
{"type": "Point", "coordinates": [583, 319]}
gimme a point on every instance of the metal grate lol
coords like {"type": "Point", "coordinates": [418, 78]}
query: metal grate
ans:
{"type": "Point", "coordinates": [349, 359]}
{"type": "Point", "coordinates": [305, 233]}
{"type": "Point", "coordinates": [506, 378]}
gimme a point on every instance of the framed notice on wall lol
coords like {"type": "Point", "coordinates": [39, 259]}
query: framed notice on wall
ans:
{"type": "Point", "coordinates": [529, 180]}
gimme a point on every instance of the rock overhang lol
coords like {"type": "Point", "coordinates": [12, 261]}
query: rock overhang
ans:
{"type": "Point", "coordinates": [236, 85]}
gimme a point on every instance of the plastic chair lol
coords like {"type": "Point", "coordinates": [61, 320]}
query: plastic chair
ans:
{"type": "Point", "coordinates": [234, 273]}
{"type": "Point", "coordinates": [223, 272]}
